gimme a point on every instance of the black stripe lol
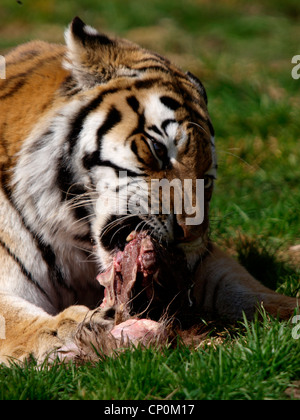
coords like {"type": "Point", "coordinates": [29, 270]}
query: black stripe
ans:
{"type": "Point", "coordinates": [156, 59]}
{"type": "Point", "coordinates": [147, 84]}
{"type": "Point", "coordinates": [21, 78]}
{"type": "Point", "coordinates": [150, 138]}
{"type": "Point", "coordinates": [165, 124]}
{"type": "Point", "coordinates": [24, 56]}
{"type": "Point", "coordinates": [54, 273]}
{"type": "Point", "coordinates": [42, 141]}
{"type": "Point", "coordinates": [133, 103]}
{"type": "Point", "coordinates": [170, 102]}
{"type": "Point", "coordinates": [79, 119]}
{"type": "Point", "coordinates": [113, 118]}
{"type": "Point", "coordinates": [161, 69]}
{"type": "Point", "coordinates": [140, 129]}
{"type": "Point", "coordinates": [69, 87]}
{"type": "Point", "coordinates": [4, 182]}
{"type": "Point", "coordinates": [119, 169]}
{"type": "Point", "coordinates": [17, 86]}
{"type": "Point", "coordinates": [23, 270]}
{"type": "Point", "coordinates": [135, 151]}
{"type": "Point", "coordinates": [195, 114]}
{"type": "Point", "coordinates": [211, 128]}
{"type": "Point", "coordinates": [65, 179]}
{"type": "Point", "coordinates": [70, 189]}
{"type": "Point", "coordinates": [199, 85]}
{"type": "Point", "coordinates": [155, 129]}
{"type": "Point", "coordinates": [16, 78]}
{"type": "Point", "coordinates": [93, 159]}
{"type": "Point", "coordinates": [197, 117]}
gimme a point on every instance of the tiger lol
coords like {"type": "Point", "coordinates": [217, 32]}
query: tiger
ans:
{"type": "Point", "coordinates": [75, 116]}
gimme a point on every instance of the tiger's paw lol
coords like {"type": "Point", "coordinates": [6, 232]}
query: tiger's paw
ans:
{"type": "Point", "coordinates": [94, 342]}
{"type": "Point", "coordinates": [58, 340]}
{"type": "Point", "coordinates": [96, 336]}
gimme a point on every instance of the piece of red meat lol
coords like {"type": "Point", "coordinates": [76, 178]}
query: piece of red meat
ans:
{"type": "Point", "coordinates": [146, 279]}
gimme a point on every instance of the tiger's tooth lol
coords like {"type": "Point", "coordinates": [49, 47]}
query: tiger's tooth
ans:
{"type": "Point", "coordinates": [131, 236]}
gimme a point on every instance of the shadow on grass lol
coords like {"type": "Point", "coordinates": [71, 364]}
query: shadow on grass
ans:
{"type": "Point", "coordinates": [263, 262]}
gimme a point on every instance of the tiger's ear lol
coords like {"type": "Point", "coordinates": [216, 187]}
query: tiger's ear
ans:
{"type": "Point", "coordinates": [89, 54]}
{"type": "Point", "coordinates": [198, 85]}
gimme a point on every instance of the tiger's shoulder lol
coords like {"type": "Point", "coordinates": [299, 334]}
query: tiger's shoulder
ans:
{"type": "Point", "coordinates": [34, 73]}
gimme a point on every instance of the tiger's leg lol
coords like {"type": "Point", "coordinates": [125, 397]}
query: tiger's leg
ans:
{"type": "Point", "coordinates": [28, 330]}
{"type": "Point", "coordinates": [223, 288]}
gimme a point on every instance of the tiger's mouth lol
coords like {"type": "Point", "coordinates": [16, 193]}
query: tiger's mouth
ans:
{"type": "Point", "coordinates": [145, 278]}
{"type": "Point", "coordinates": [114, 236]}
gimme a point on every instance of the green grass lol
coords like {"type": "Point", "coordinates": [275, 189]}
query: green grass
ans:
{"type": "Point", "coordinates": [242, 52]}
{"type": "Point", "coordinates": [260, 362]}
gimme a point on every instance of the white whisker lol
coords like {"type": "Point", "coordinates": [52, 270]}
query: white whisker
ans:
{"type": "Point", "coordinates": [200, 126]}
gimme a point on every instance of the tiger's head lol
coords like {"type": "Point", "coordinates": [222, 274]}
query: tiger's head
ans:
{"type": "Point", "coordinates": [147, 121]}
{"type": "Point", "coordinates": [126, 117]}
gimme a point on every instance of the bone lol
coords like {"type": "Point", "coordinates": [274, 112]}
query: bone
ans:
{"type": "Point", "coordinates": [138, 331]}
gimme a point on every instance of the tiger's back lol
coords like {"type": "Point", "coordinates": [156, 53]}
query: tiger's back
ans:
{"type": "Point", "coordinates": [33, 76]}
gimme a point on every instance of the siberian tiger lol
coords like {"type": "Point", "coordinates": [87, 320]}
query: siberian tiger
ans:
{"type": "Point", "coordinates": [73, 117]}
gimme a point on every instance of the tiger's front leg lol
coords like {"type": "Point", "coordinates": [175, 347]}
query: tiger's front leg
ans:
{"type": "Point", "coordinates": [29, 331]}
{"type": "Point", "coordinates": [224, 289]}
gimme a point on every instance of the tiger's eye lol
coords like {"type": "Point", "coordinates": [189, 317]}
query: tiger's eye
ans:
{"type": "Point", "coordinates": [160, 150]}
{"type": "Point", "coordinates": [162, 154]}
